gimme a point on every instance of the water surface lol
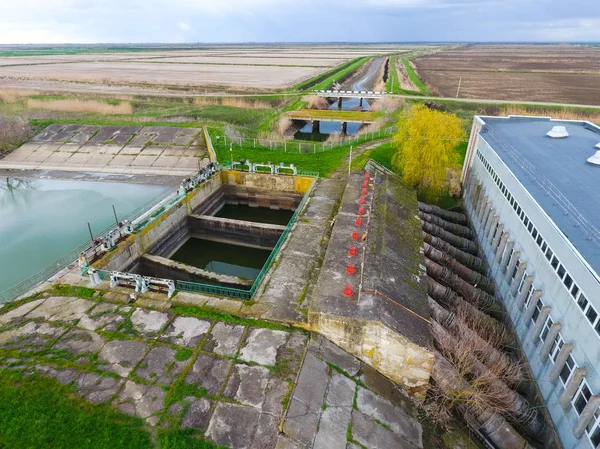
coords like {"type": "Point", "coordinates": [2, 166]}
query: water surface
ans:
{"type": "Point", "coordinates": [255, 214]}
{"type": "Point", "coordinates": [42, 220]}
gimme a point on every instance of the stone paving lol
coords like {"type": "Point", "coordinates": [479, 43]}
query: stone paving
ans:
{"type": "Point", "coordinates": [237, 385]}
{"type": "Point", "coordinates": [117, 149]}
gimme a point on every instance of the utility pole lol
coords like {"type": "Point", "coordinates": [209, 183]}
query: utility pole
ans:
{"type": "Point", "coordinates": [458, 90]}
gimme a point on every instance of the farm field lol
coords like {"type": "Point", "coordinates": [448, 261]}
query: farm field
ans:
{"type": "Point", "coordinates": [555, 73]}
{"type": "Point", "coordinates": [225, 67]}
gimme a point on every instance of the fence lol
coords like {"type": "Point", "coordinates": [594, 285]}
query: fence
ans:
{"type": "Point", "coordinates": [249, 294]}
{"type": "Point", "coordinates": [24, 286]}
{"type": "Point", "coordinates": [295, 146]}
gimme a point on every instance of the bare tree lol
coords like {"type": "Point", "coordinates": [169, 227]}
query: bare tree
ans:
{"type": "Point", "coordinates": [13, 132]}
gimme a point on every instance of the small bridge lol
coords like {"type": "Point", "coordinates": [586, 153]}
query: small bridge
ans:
{"type": "Point", "coordinates": [349, 94]}
{"type": "Point", "coordinates": [316, 116]}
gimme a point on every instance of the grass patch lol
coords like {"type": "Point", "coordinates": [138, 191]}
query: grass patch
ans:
{"type": "Point", "coordinates": [183, 439]}
{"type": "Point", "coordinates": [39, 412]}
{"type": "Point", "coordinates": [72, 290]}
{"type": "Point", "coordinates": [183, 354]}
{"type": "Point", "coordinates": [204, 312]}
{"type": "Point", "coordinates": [414, 78]}
{"type": "Point", "coordinates": [342, 116]}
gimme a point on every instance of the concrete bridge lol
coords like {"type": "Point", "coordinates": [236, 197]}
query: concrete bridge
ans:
{"type": "Point", "coordinates": [316, 116]}
{"type": "Point", "coordinates": [348, 94]}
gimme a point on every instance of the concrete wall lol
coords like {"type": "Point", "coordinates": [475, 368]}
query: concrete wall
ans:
{"type": "Point", "coordinates": [282, 183]}
{"type": "Point", "coordinates": [388, 352]}
{"type": "Point", "coordinates": [576, 329]}
{"type": "Point", "coordinates": [238, 232]}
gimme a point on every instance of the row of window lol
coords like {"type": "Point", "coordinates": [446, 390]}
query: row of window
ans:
{"type": "Point", "coordinates": [586, 307]}
{"type": "Point", "coordinates": [584, 393]}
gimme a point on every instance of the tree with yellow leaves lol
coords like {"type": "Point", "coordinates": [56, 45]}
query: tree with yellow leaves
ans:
{"type": "Point", "coordinates": [426, 142]}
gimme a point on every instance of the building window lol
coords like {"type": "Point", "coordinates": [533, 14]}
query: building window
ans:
{"type": "Point", "coordinates": [514, 273]}
{"type": "Point", "coordinates": [529, 296]}
{"type": "Point", "coordinates": [554, 262]}
{"type": "Point", "coordinates": [568, 281]}
{"type": "Point", "coordinates": [582, 302]}
{"type": "Point", "coordinates": [537, 311]}
{"type": "Point", "coordinates": [549, 254]}
{"type": "Point", "coordinates": [534, 233]}
{"type": "Point", "coordinates": [593, 429]}
{"type": "Point", "coordinates": [561, 271]}
{"type": "Point", "coordinates": [549, 322]}
{"type": "Point", "coordinates": [567, 371]}
{"type": "Point", "coordinates": [582, 397]}
{"type": "Point", "coordinates": [509, 257]}
{"type": "Point", "coordinates": [556, 347]}
{"type": "Point", "coordinates": [522, 282]}
{"type": "Point", "coordinates": [597, 327]}
{"type": "Point", "coordinates": [539, 240]}
{"type": "Point", "coordinates": [574, 291]}
{"type": "Point", "coordinates": [544, 246]}
{"type": "Point", "coordinates": [591, 315]}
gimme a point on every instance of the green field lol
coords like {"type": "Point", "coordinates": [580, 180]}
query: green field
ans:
{"type": "Point", "coordinates": [325, 80]}
{"type": "Point", "coordinates": [414, 78]}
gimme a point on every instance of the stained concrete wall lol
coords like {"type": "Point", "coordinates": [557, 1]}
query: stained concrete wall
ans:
{"type": "Point", "coordinates": [247, 233]}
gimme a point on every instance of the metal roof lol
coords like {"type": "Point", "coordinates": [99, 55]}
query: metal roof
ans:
{"type": "Point", "coordinates": [556, 173]}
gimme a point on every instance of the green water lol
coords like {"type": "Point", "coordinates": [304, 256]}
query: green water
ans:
{"type": "Point", "coordinates": [222, 258]}
{"type": "Point", "coordinates": [255, 214]}
{"type": "Point", "coordinates": [42, 220]}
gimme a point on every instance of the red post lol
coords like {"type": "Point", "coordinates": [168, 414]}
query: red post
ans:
{"type": "Point", "coordinates": [351, 269]}
{"type": "Point", "coordinates": [348, 292]}
{"type": "Point", "coordinates": [362, 200]}
{"type": "Point", "coordinates": [352, 251]}
{"type": "Point", "coordinates": [355, 235]}
{"type": "Point", "coordinates": [358, 221]}
{"type": "Point", "coordinates": [361, 210]}
{"type": "Point", "coordinates": [363, 191]}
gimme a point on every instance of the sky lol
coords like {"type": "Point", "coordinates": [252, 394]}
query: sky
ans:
{"type": "Point", "coordinates": [232, 21]}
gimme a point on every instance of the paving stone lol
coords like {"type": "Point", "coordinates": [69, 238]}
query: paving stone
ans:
{"type": "Point", "coordinates": [293, 351]}
{"type": "Point", "coordinates": [64, 376]}
{"type": "Point", "coordinates": [284, 442]}
{"type": "Point", "coordinates": [277, 389]}
{"type": "Point", "coordinates": [265, 436]}
{"type": "Point", "coordinates": [247, 384]}
{"type": "Point", "coordinates": [122, 355]}
{"type": "Point", "coordinates": [109, 321]}
{"type": "Point", "coordinates": [400, 423]}
{"type": "Point", "coordinates": [208, 372]}
{"type": "Point", "coordinates": [78, 341]}
{"type": "Point", "coordinates": [146, 400]}
{"type": "Point", "coordinates": [61, 308]}
{"type": "Point", "coordinates": [333, 426]}
{"type": "Point", "coordinates": [186, 331]}
{"type": "Point", "coordinates": [175, 410]}
{"type": "Point", "coordinates": [197, 414]}
{"type": "Point", "coordinates": [352, 446]}
{"type": "Point", "coordinates": [224, 305]}
{"type": "Point", "coordinates": [148, 322]}
{"type": "Point", "coordinates": [370, 434]}
{"type": "Point", "coordinates": [224, 338]}
{"type": "Point", "coordinates": [233, 425]}
{"type": "Point", "coordinates": [96, 388]}
{"type": "Point", "coordinates": [31, 336]}
{"type": "Point", "coordinates": [332, 353]}
{"type": "Point", "coordinates": [262, 345]}
{"type": "Point", "coordinates": [306, 404]}
{"type": "Point", "coordinates": [20, 311]}
{"type": "Point", "coordinates": [160, 365]}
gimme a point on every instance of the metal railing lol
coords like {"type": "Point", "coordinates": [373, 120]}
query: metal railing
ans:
{"type": "Point", "coordinates": [296, 146]}
{"type": "Point", "coordinates": [24, 286]}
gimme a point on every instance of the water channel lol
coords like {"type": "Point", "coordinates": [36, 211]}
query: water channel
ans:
{"type": "Point", "coordinates": [255, 214]}
{"type": "Point", "coordinates": [41, 220]}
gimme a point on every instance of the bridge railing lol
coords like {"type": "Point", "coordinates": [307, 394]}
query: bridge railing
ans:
{"type": "Point", "coordinates": [296, 146]}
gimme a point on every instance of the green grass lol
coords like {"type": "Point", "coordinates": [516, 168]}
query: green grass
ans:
{"type": "Point", "coordinates": [37, 412]}
{"type": "Point", "coordinates": [183, 354]}
{"type": "Point", "coordinates": [331, 114]}
{"type": "Point", "coordinates": [183, 439]}
{"type": "Point", "coordinates": [414, 78]}
{"type": "Point", "coordinates": [325, 80]}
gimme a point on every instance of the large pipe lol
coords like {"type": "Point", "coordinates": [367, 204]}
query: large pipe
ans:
{"type": "Point", "coordinates": [472, 277]}
{"type": "Point", "coordinates": [520, 411]}
{"type": "Point", "coordinates": [467, 259]}
{"type": "Point", "coordinates": [459, 242]}
{"type": "Point", "coordinates": [475, 296]}
{"type": "Point", "coordinates": [446, 297]}
{"type": "Point", "coordinates": [493, 357]}
{"type": "Point", "coordinates": [492, 425]}
{"type": "Point", "coordinates": [454, 217]}
{"type": "Point", "coordinates": [456, 229]}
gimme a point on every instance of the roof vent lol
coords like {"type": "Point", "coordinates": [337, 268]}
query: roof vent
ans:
{"type": "Point", "coordinates": [558, 132]}
{"type": "Point", "coordinates": [595, 159]}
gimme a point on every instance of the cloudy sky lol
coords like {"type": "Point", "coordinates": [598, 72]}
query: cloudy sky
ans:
{"type": "Point", "coordinates": [114, 21]}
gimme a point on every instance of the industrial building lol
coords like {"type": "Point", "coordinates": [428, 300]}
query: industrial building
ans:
{"type": "Point", "coordinates": [532, 191]}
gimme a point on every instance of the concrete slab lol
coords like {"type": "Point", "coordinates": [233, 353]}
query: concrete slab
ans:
{"type": "Point", "coordinates": [20, 311]}
{"type": "Point", "coordinates": [29, 147]}
{"type": "Point", "coordinates": [186, 331]}
{"type": "Point", "coordinates": [95, 388]}
{"type": "Point", "coordinates": [166, 161]}
{"type": "Point", "coordinates": [84, 134]}
{"type": "Point", "coordinates": [58, 158]}
{"type": "Point", "coordinates": [149, 323]}
{"type": "Point", "coordinates": [62, 308]}
{"type": "Point", "coordinates": [39, 156]}
{"type": "Point", "coordinates": [371, 434]}
{"type": "Point", "coordinates": [331, 353]}
{"type": "Point", "coordinates": [161, 366]}
{"type": "Point", "coordinates": [262, 346]}
{"type": "Point", "coordinates": [225, 429]}
{"type": "Point", "coordinates": [306, 404]}
{"type": "Point", "coordinates": [121, 160]}
{"type": "Point", "coordinates": [100, 160]}
{"type": "Point", "coordinates": [224, 339]}
{"type": "Point", "coordinates": [131, 150]}
{"type": "Point", "coordinates": [143, 161]}
{"type": "Point", "coordinates": [79, 158]}
{"type": "Point", "coordinates": [78, 341]}
{"type": "Point", "coordinates": [146, 400]}
{"type": "Point", "coordinates": [15, 156]}
{"type": "Point", "coordinates": [197, 415]}
{"type": "Point", "coordinates": [31, 336]}
{"type": "Point", "coordinates": [48, 133]}
{"type": "Point", "coordinates": [69, 148]}
{"type": "Point", "coordinates": [152, 150]}
{"type": "Point", "coordinates": [247, 385]}
{"type": "Point", "coordinates": [174, 151]}
{"type": "Point", "coordinates": [333, 426]}
{"type": "Point", "coordinates": [189, 162]}
{"type": "Point", "coordinates": [208, 372]}
{"type": "Point", "coordinates": [122, 355]}
{"type": "Point", "coordinates": [185, 136]}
